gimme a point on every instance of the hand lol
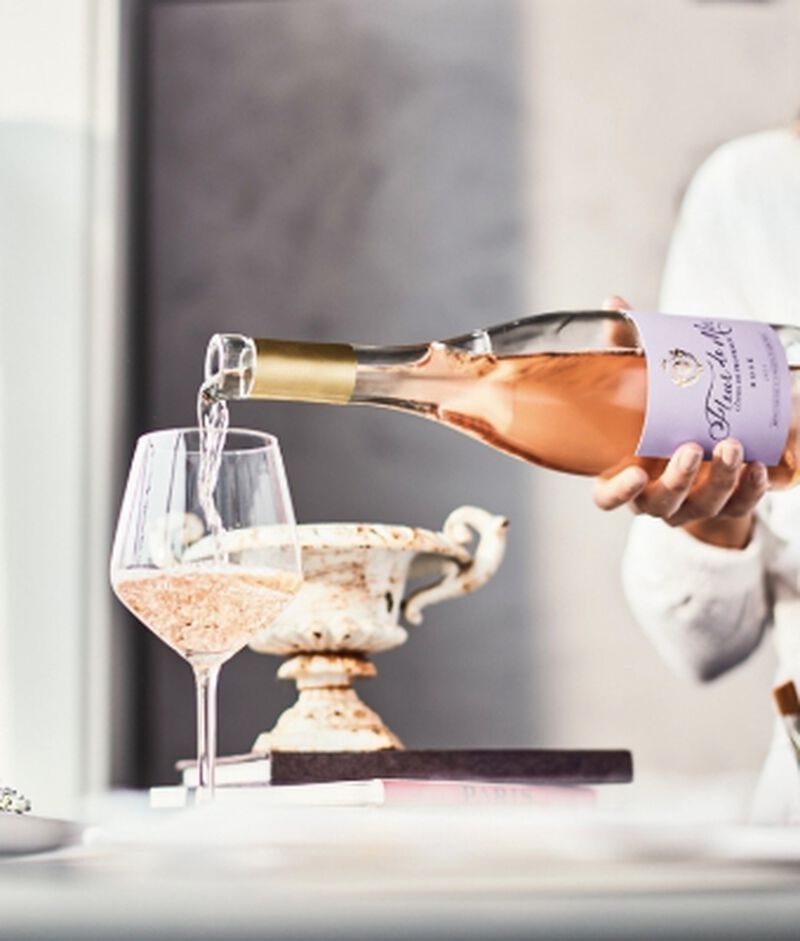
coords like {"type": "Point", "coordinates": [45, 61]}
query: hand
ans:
{"type": "Point", "coordinates": [714, 503]}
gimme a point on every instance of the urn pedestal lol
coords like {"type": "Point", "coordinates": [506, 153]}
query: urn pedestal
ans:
{"type": "Point", "coordinates": [350, 607]}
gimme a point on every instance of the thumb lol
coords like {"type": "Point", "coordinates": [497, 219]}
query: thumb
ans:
{"type": "Point", "coordinates": [615, 302]}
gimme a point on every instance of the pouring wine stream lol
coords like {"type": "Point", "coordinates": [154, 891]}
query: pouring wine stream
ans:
{"type": "Point", "coordinates": [212, 420]}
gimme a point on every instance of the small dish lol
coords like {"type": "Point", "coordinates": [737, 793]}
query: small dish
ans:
{"type": "Point", "coordinates": [20, 835]}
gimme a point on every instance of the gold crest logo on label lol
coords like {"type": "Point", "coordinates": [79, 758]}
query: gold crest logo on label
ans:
{"type": "Point", "coordinates": [683, 368]}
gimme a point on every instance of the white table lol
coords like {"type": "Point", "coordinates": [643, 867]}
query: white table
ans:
{"type": "Point", "coordinates": [472, 873]}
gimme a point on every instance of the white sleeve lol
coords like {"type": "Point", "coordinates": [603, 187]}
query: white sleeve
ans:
{"type": "Point", "coordinates": [704, 608]}
{"type": "Point", "coordinates": [703, 270]}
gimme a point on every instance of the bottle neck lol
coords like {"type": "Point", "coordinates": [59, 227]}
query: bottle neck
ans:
{"type": "Point", "coordinates": [240, 367]}
{"type": "Point", "coordinates": [335, 373]}
{"type": "Point", "coordinates": [303, 372]}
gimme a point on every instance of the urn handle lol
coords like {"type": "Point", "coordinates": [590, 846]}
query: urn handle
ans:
{"type": "Point", "coordinates": [461, 526]}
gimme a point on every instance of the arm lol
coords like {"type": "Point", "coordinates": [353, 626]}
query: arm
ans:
{"type": "Point", "coordinates": [693, 570]}
{"type": "Point", "coordinates": [698, 587]}
{"type": "Point", "coordinates": [703, 607]}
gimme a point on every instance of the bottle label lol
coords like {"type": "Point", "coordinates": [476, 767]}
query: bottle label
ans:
{"type": "Point", "coordinates": [710, 379]}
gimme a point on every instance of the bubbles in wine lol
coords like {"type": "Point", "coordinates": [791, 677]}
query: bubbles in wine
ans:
{"type": "Point", "coordinates": [206, 610]}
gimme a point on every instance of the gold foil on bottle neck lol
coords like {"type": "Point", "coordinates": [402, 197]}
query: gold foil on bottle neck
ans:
{"type": "Point", "coordinates": [304, 372]}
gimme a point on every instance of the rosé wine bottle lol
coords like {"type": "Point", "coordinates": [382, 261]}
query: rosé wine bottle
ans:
{"type": "Point", "coordinates": [581, 392]}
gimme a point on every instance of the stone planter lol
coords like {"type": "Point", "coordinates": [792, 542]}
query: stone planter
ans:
{"type": "Point", "coordinates": [350, 607]}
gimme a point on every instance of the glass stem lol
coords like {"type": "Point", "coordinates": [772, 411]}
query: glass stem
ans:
{"type": "Point", "coordinates": [205, 677]}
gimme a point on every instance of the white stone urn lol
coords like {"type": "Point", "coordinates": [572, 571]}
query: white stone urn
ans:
{"type": "Point", "coordinates": [350, 606]}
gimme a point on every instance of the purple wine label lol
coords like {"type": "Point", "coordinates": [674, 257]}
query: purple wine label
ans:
{"type": "Point", "coordinates": [710, 379]}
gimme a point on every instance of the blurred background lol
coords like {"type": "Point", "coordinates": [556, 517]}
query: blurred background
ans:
{"type": "Point", "coordinates": [379, 171]}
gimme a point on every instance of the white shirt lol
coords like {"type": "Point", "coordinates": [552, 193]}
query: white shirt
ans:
{"type": "Point", "coordinates": [735, 253]}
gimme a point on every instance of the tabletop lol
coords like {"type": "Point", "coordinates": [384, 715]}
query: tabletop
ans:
{"type": "Point", "coordinates": [423, 873]}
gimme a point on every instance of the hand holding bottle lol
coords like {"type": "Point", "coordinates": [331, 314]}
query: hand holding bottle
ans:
{"type": "Point", "coordinates": [714, 503]}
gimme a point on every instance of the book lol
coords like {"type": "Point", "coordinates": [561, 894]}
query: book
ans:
{"type": "Point", "coordinates": [499, 766]}
{"type": "Point", "coordinates": [386, 791]}
{"type": "Point", "coordinates": [253, 768]}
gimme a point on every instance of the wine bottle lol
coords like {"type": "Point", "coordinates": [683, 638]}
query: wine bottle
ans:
{"type": "Point", "coordinates": [582, 392]}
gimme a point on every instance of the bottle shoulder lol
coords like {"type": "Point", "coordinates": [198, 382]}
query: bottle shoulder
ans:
{"type": "Point", "coordinates": [579, 331]}
{"type": "Point", "coordinates": [552, 332]}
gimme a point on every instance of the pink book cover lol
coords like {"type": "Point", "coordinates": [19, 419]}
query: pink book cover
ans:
{"type": "Point", "coordinates": [422, 791]}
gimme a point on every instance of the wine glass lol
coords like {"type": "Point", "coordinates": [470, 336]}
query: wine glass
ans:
{"type": "Point", "coordinates": [206, 553]}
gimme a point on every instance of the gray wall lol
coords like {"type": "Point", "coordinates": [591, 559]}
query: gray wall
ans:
{"type": "Point", "coordinates": [342, 169]}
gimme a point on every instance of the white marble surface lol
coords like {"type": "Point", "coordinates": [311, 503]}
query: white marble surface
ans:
{"type": "Point", "coordinates": [423, 873]}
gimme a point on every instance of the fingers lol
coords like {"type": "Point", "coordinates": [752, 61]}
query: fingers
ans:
{"type": "Point", "coordinates": [619, 489]}
{"type": "Point", "coordinates": [711, 496]}
{"type": "Point", "coordinates": [732, 526]}
{"type": "Point", "coordinates": [666, 496]}
{"type": "Point", "coordinates": [615, 302]}
{"type": "Point", "coordinates": [620, 332]}
{"type": "Point", "coordinates": [689, 491]}
{"type": "Point", "coordinates": [753, 484]}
